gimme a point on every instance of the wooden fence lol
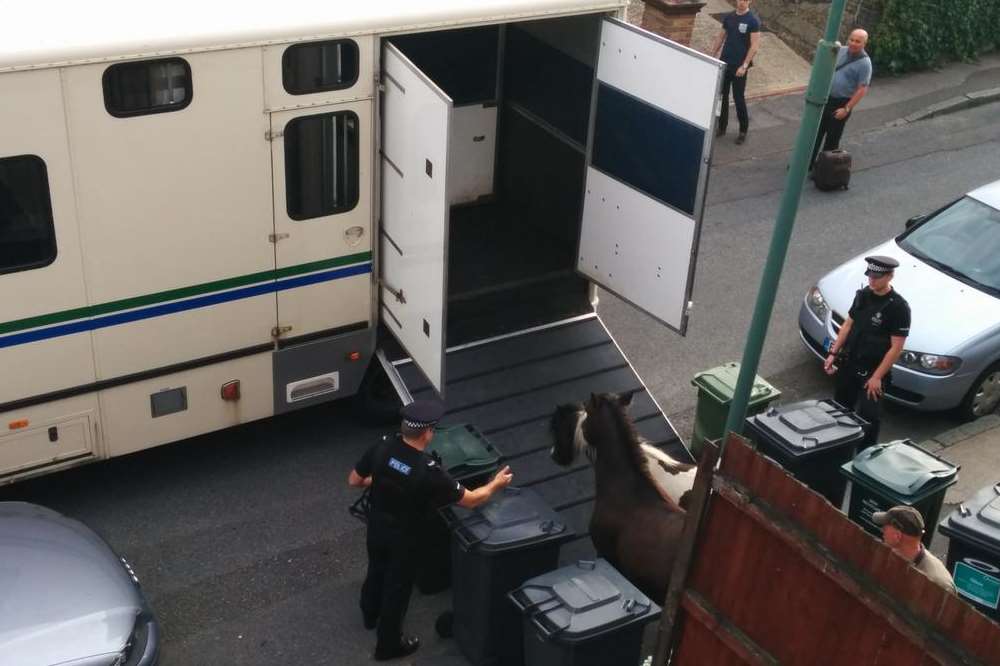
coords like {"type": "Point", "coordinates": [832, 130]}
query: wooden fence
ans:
{"type": "Point", "coordinates": [777, 575]}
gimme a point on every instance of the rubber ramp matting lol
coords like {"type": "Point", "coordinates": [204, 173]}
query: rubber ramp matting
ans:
{"type": "Point", "coordinates": [509, 389]}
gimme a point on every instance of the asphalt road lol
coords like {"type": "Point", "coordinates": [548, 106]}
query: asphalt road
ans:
{"type": "Point", "coordinates": [899, 172]}
{"type": "Point", "coordinates": [242, 539]}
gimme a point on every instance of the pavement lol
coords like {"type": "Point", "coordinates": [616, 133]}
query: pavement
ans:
{"type": "Point", "coordinates": [975, 448]}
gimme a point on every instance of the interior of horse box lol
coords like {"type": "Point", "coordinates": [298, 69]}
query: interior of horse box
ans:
{"type": "Point", "coordinates": [517, 148]}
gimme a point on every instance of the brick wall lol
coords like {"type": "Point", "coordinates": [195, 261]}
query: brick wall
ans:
{"type": "Point", "coordinates": [673, 19]}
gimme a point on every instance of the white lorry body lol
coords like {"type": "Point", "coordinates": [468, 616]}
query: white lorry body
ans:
{"type": "Point", "coordinates": [207, 213]}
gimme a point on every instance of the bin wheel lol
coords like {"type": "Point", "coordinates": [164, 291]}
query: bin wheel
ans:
{"type": "Point", "coordinates": [377, 402]}
{"type": "Point", "coordinates": [984, 395]}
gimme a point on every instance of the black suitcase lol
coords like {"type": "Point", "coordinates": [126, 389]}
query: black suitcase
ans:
{"type": "Point", "coordinates": [832, 170]}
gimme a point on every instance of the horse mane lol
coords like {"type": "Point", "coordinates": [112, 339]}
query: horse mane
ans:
{"type": "Point", "coordinates": [626, 430]}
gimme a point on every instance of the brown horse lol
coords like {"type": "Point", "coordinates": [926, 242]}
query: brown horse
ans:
{"type": "Point", "coordinates": [635, 525]}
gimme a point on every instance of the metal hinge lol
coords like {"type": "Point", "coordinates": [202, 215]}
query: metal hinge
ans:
{"type": "Point", "coordinates": [398, 293]}
{"type": "Point", "coordinates": [274, 238]}
{"type": "Point", "coordinates": [271, 135]}
{"type": "Point", "coordinates": [278, 331]}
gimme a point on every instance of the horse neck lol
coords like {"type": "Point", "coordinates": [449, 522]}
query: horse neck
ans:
{"type": "Point", "coordinates": [618, 474]}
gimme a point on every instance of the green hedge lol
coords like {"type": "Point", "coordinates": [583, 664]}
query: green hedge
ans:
{"type": "Point", "coordinates": [915, 34]}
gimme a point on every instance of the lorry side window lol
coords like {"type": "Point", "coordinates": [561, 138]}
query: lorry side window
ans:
{"type": "Point", "coordinates": [148, 86]}
{"type": "Point", "coordinates": [321, 164]}
{"type": "Point", "coordinates": [319, 66]}
{"type": "Point", "coordinates": [27, 235]}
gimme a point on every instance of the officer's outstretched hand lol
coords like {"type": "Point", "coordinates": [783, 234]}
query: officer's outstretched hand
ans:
{"type": "Point", "coordinates": [503, 478]}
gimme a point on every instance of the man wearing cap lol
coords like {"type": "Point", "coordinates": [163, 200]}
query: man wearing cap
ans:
{"type": "Point", "coordinates": [405, 484]}
{"type": "Point", "coordinates": [902, 530]}
{"type": "Point", "coordinates": [868, 343]}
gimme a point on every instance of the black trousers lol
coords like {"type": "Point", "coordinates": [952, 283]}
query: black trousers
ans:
{"type": "Point", "coordinates": [830, 129]}
{"type": "Point", "coordinates": [739, 86]}
{"type": "Point", "coordinates": [385, 593]}
{"type": "Point", "coordinates": [850, 392]}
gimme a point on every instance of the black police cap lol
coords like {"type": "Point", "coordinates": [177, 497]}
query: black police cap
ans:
{"type": "Point", "coordinates": [880, 264]}
{"type": "Point", "coordinates": [421, 414]}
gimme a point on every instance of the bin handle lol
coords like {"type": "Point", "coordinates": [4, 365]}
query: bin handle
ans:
{"type": "Point", "coordinates": [928, 476]}
{"type": "Point", "coordinates": [722, 399]}
{"type": "Point", "coordinates": [467, 537]}
{"type": "Point", "coordinates": [523, 603]}
{"type": "Point", "coordinates": [635, 606]}
{"type": "Point", "coordinates": [547, 626]}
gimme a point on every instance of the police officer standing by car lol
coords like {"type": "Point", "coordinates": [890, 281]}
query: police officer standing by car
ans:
{"type": "Point", "coordinates": [405, 484]}
{"type": "Point", "coordinates": [869, 342]}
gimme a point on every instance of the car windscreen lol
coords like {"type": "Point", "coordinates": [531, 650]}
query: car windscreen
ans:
{"type": "Point", "coordinates": [963, 240]}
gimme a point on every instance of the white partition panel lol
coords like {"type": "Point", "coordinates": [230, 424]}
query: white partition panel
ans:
{"type": "Point", "coordinates": [416, 116]}
{"type": "Point", "coordinates": [647, 169]}
{"type": "Point", "coordinates": [662, 73]}
{"type": "Point", "coordinates": [645, 263]}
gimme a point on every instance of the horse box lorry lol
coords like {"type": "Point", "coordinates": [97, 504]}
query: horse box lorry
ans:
{"type": "Point", "coordinates": [211, 214]}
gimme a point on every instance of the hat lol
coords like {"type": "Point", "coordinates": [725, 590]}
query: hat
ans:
{"type": "Point", "coordinates": [879, 265]}
{"type": "Point", "coordinates": [421, 414]}
{"type": "Point", "coordinates": [906, 519]}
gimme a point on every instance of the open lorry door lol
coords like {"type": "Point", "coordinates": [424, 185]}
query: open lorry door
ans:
{"type": "Point", "coordinates": [649, 144]}
{"type": "Point", "coordinates": [416, 117]}
{"type": "Point", "coordinates": [602, 142]}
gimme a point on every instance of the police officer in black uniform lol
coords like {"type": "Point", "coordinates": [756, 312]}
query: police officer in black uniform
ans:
{"type": "Point", "coordinates": [405, 483]}
{"type": "Point", "coordinates": [869, 342]}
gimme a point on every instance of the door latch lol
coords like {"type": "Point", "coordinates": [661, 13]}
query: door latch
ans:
{"type": "Point", "coordinates": [271, 135]}
{"type": "Point", "coordinates": [398, 293]}
{"type": "Point", "coordinates": [274, 238]}
{"type": "Point", "coordinates": [278, 331]}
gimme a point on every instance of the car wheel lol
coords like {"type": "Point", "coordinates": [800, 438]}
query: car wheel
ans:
{"type": "Point", "coordinates": [984, 396]}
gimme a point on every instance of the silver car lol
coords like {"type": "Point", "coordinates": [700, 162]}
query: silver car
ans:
{"type": "Point", "coordinates": [66, 597]}
{"type": "Point", "coordinates": [949, 273]}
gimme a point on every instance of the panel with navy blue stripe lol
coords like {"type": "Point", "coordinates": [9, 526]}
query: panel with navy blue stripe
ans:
{"type": "Point", "coordinates": [648, 149]}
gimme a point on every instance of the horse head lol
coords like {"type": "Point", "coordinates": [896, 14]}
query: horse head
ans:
{"type": "Point", "coordinates": [607, 420]}
{"type": "Point", "coordinates": [566, 431]}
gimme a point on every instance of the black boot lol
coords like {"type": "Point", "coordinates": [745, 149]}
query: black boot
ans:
{"type": "Point", "coordinates": [407, 645]}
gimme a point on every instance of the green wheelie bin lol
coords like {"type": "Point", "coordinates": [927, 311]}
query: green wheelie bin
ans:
{"type": "Point", "coordinates": [716, 388]}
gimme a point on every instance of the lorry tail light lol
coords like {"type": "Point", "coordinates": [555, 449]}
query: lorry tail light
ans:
{"type": "Point", "coordinates": [231, 391]}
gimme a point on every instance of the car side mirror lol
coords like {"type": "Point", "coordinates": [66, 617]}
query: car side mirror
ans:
{"type": "Point", "coordinates": [914, 220]}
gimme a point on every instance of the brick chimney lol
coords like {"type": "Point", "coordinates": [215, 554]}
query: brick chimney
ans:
{"type": "Point", "coordinates": [673, 19]}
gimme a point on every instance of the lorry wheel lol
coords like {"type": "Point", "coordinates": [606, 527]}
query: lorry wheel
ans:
{"type": "Point", "coordinates": [377, 402]}
{"type": "Point", "coordinates": [984, 396]}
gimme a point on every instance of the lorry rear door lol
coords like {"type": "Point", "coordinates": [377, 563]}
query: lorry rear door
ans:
{"type": "Point", "coordinates": [416, 117]}
{"type": "Point", "coordinates": [321, 156]}
{"type": "Point", "coordinates": [650, 137]}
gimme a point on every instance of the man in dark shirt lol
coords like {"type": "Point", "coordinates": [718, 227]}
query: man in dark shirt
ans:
{"type": "Point", "coordinates": [736, 46]}
{"type": "Point", "coordinates": [405, 484]}
{"type": "Point", "coordinates": [869, 343]}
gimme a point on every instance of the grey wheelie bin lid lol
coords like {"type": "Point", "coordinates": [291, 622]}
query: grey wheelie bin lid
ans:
{"type": "Point", "coordinates": [977, 519]}
{"type": "Point", "coordinates": [581, 601]}
{"type": "Point", "coordinates": [801, 428]}
{"type": "Point", "coordinates": [513, 518]}
{"type": "Point", "coordinates": [902, 468]}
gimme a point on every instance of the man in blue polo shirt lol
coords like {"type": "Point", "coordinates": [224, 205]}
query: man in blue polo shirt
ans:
{"type": "Point", "coordinates": [851, 78]}
{"type": "Point", "coordinates": [736, 46]}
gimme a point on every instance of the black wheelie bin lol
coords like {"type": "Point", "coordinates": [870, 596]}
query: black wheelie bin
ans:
{"type": "Point", "coordinates": [897, 473]}
{"type": "Point", "coordinates": [584, 614]}
{"type": "Point", "coordinates": [495, 548]}
{"type": "Point", "coordinates": [973, 531]}
{"type": "Point", "coordinates": [811, 440]}
{"type": "Point", "coordinates": [470, 459]}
